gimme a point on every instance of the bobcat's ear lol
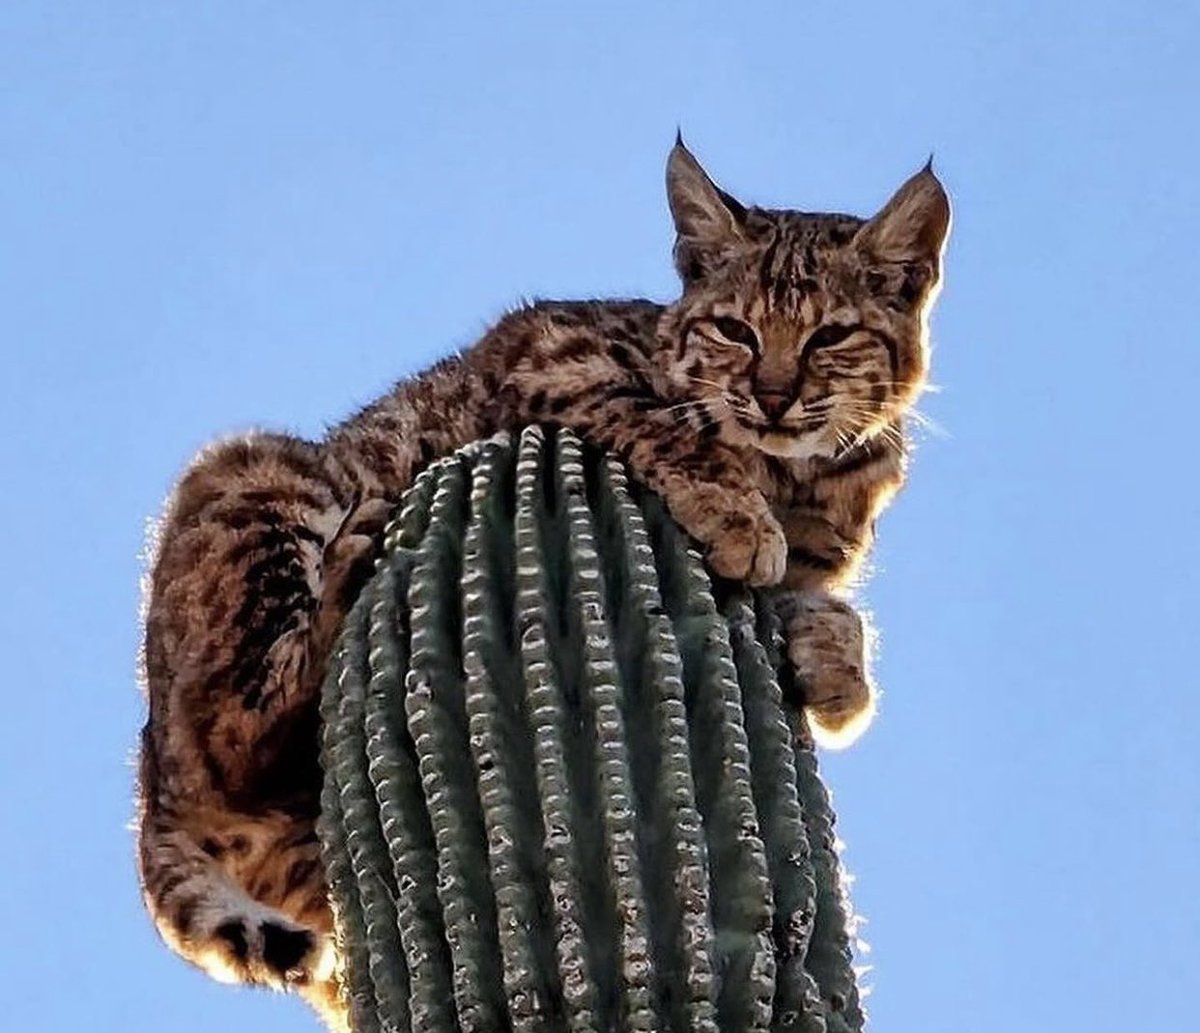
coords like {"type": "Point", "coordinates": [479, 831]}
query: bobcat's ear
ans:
{"type": "Point", "coordinates": [913, 225]}
{"type": "Point", "coordinates": [707, 220]}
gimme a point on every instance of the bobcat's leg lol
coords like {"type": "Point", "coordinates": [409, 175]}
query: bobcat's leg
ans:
{"type": "Point", "coordinates": [829, 652]}
{"type": "Point", "coordinates": [205, 912]}
{"type": "Point", "coordinates": [709, 491]}
{"type": "Point", "coordinates": [197, 876]}
{"type": "Point", "coordinates": [260, 554]}
{"type": "Point", "coordinates": [829, 643]}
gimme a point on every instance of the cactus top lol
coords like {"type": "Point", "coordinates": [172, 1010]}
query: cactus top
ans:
{"type": "Point", "coordinates": [563, 792]}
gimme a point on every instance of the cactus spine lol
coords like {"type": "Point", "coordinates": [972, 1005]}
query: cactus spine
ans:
{"type": "Point", "coordinates": [562, 792]}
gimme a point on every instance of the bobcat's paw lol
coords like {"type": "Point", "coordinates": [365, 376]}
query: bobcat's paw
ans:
{"type": "Point", "coordinates": [829, 657]}
{"type": "Point", "coordinates": [750, 548]}
{"type": "Point", "coordinates": [267, 948]}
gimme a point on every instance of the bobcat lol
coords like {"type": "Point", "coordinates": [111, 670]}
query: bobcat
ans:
{"type": "Point", "coordinates": [764, 405]}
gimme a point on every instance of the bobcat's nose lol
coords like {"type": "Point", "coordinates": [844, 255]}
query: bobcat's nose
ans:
{"type": "Point", "coordinates": [773, 404]}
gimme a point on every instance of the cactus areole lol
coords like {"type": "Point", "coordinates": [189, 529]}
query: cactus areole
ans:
{"type": "Point", "coordinates": [562, 790]}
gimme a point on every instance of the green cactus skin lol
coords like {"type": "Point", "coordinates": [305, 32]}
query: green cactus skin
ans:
{"type": "Point", "coordinates": [563, 793]}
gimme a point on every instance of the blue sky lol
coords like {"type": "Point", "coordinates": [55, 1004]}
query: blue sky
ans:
{"type": "Point", "coordinates": [223, 215]}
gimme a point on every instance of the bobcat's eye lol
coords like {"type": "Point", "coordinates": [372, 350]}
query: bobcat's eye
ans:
{"type": "Point", "coordinates": [825, 336]}
{"type": "Point", "coordinates": [736, 331]}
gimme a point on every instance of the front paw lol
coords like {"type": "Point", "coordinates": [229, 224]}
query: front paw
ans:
{"type": "Point", "coordinates": [828, 651]}
{"type": "Point", "coordinates": [750, 549]}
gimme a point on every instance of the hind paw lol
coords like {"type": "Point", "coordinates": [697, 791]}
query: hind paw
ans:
{"type": "Point", "coordinates": [274, 951]}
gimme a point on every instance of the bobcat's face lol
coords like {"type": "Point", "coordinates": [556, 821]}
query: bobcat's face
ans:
{"type": "Point", "coordinates": [803, 334]}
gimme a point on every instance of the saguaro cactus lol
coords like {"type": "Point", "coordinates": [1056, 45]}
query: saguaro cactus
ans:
{"type": "Point", "coordinates": [563, 793]}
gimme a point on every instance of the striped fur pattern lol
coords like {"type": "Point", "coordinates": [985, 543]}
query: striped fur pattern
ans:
{"type": "Point", "coordinates": [765, 406]}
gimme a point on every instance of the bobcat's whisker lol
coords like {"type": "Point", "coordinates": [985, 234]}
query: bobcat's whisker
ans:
{"type": "Point", "coordinates": [706, 383]}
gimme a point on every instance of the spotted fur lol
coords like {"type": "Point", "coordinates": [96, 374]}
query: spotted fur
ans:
{"type": "Point", "coordinates": [765, 405]}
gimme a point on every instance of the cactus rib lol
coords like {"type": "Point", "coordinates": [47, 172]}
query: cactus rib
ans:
{"type": "Point", "coordinates": [563, 792]}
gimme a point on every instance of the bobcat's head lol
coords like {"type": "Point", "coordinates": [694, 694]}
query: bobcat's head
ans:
{"type": "Point", "coordinates": [802, 333]}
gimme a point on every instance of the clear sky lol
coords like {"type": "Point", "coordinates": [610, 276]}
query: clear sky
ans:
{"type": "Point", "coordinates": [231, 214]}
